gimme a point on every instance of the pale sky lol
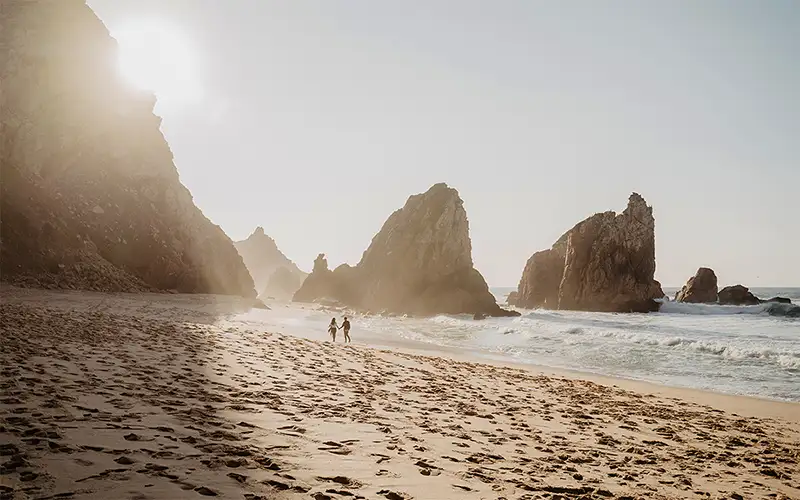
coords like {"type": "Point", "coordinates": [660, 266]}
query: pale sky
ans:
{"type": "Point", "coordinates": [317, 119]}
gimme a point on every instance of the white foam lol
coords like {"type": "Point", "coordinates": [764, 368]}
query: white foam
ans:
{"type": "Point", "coordinates": [673, 307]}
{"type": "Point", "coordinates": [738, 349]}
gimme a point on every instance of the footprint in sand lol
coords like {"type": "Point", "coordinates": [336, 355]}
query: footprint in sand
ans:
{"type": "Point", "coordinates": [205, 491]}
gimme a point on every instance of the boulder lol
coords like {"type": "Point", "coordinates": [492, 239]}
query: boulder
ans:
{"type": "Point", "coordinates": [273, 273]}
{"type": "Point", "coordinates": [605, 263]}
{"type": "Point", "coordinates": [90, 196]}
{"type": "Point", "coordinates": [737, 295]}
{"type": "Point", "coordinates": [700, 288]}
{"type": "Point", "coordinates": [419, 263]}
{"type": "Point", "coordinates": [511, 298]}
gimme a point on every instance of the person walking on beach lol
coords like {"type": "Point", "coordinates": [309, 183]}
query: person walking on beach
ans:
{"type": "Point", "coordinates": [332, 329]}
{"type": "Point", "coordinates": [346, 328]}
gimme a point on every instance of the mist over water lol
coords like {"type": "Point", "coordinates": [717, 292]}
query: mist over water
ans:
{"type": "Point", "coordinates": [730, 349]}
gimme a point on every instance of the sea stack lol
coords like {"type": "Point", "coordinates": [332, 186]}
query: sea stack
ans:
{"type": "Point", "coordinates": [419, 263]}
{"type": "Point", "coordinates": [606, 263]}
{"type": "Point", "coordinates": [91, 198]}
{"type": "Point", "coordinates": [273, 273]}
{"type": "Point", "coordinates": [701, 288]}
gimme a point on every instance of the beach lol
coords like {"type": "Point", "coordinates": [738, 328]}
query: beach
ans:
{"type": "Point", "coordinates": [159, 396]}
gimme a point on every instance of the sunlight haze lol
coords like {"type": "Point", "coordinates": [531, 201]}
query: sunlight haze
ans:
{"type": "Point", "coordinates": [316, 120]}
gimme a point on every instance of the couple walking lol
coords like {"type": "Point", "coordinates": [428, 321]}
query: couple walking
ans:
{"type": "Point", "coordinates": [345, 326]}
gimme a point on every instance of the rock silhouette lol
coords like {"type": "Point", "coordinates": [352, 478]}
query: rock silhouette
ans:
{"type": "Point", "coordinates": [419, 263]}
{"type": "Point", "coordinates": [91, 198]}
{"type": "Point", "coordinates": [737, 295]}
{"type": "Point", "coordinates": [604, 263]}
{"type": "Point", "coordinates": [273, 273]}
{"type": "Point", "coordinates": [701, 288]}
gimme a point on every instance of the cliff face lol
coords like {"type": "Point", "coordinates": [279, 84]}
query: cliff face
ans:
{"type": "Point", "coordinates": [90, 196]}
{"type": "Point", "coordinates": [419, 263]}
{"type": "Point", "coordinates": [700, 288]}
{"type": "Point", "coordinates": [273, 273]}
{"type": "Point", "coordinates": [604, 263]}
{"type": "Point", "coordinates": [611, 262]}
{"type": "Point", "coordinates": [541, 278]}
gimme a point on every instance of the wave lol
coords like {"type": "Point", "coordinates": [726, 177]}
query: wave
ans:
{"type": "Point", "coordinates": [787, 359]}
{"type": "Point", "coordinates": [767, 308]}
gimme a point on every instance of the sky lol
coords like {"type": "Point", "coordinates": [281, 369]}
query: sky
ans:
{"type": "Point", "coordinates": [317, 119]}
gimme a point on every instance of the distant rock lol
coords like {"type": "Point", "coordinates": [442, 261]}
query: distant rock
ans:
{"type": "Point", "coordinates": [273, 273]}
{"type": "Point", "coordinates": [420, 263]}
{"type": "Point", "coordinates": [737, 295]}
{"type": "Point", "coordinates": [780, 300]}
{"type": "Point", "coordinates": [701, 288]}
{"type": "Point", "coordinates": [511, 299]}
{"type": "Point", "coordinates": [90, 197]}
{"type": "Point", "coordinates": [604, 263]}
{"type": "Point", "coordinates": [283, 284]}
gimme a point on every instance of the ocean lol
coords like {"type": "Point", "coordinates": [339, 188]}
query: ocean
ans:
{"type": "Point", "coordinates": [745, 350]}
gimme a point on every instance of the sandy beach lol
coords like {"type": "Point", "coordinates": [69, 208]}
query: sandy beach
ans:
{"type": "Point", "coordinates": [143, 396]}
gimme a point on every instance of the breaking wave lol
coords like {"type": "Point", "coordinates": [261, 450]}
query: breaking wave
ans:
{"type": "Point", "coordinates": [768, 308]}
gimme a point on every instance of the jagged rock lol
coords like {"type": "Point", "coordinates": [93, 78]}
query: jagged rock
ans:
{"type": "Point", "coordinates": [737, 295]}
{"type": "Point", "coordinates": [604, 263]}
{"type": "Point", "coordinates": [273, 273]}
{"type": "Point", "coordinates": [701, 288]}
{"type": "Point", "coordinates": [511, 299]}
{"type": "Point", "coordinates": [90, 196]}
{"type": "Point", "coordinates": [419, 263]}
{"type": "Point", "coordinates": [324, 285]}
{"type": "Point", "coordinates": [541, 278]}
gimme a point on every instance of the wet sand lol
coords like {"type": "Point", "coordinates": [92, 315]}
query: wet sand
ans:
{"type": "Point", "coordinates": [143, 396]}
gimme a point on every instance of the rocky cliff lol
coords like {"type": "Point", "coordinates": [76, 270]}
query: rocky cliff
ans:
{"type": "Point", "coordinates": [604, 263]}
{"type": "Point", "coordinates": [90, 196]}
{"type": "Point", "coordinates": [541, 278]}
{"type": "Point", "coordinates": [273, 273]}
{"type": "Point", "coordinates": [420, 263]}
{"type": "Point", "coordinates": [700, 288]}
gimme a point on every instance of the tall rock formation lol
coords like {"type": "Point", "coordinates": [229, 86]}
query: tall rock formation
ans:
{"type": "Point", "coordinates": [273, 273]}
{"type": "Point", "coordinates": [90, 196]}
{"type": "Point", "coordinates": [419, 263]}
{"type": "Point", "coordinates": [604, 263]}
{"type": "Point", "coordinates": [700, 288]}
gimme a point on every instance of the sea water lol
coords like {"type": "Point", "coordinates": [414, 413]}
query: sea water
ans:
{"type": "Point", "coordinates": [748, 350]}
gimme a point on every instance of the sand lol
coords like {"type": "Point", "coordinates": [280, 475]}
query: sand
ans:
{"type": "Point", "coordinates": [142, 396]}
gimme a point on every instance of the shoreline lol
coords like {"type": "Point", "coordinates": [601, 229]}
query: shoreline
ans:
{"type": "Point", "coordinates": [226, 308]}
{"type": "Point", "coordinates": [749, 405]}
{"type": "Point", "coordinates": [166, 397]}
{"type": "Point", "coordinates": [743, 403]}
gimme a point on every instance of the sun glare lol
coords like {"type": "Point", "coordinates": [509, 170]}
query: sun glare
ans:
{"type": "Point", "coordinates": [157, 57]}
